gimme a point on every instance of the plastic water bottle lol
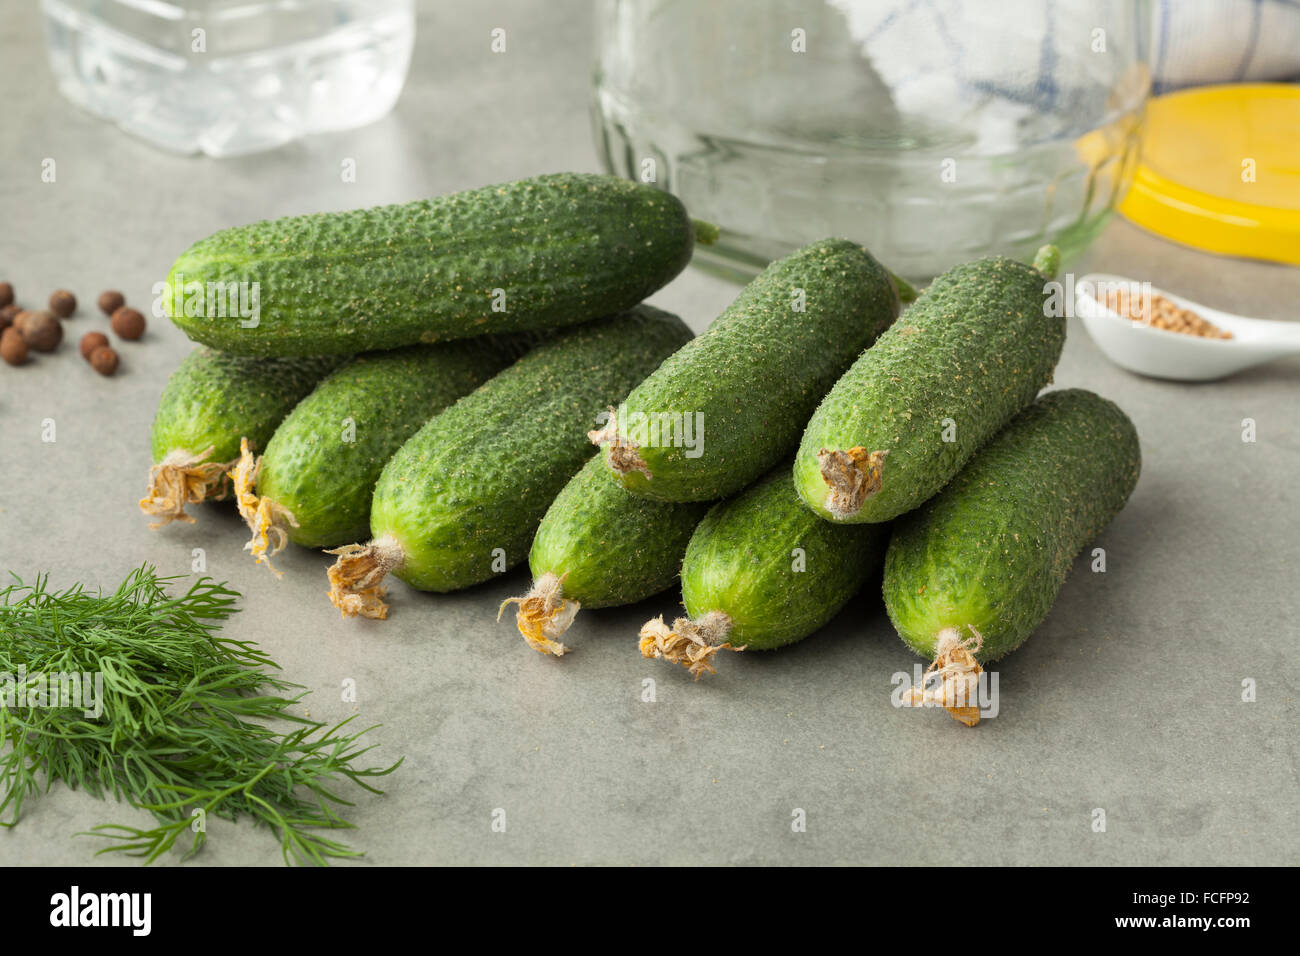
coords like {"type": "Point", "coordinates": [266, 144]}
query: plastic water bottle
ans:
{"type": "Point", "coordinates": [226, 77]}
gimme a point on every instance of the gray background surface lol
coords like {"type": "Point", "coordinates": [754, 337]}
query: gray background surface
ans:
{"type": "Point", "coordinates": [1128, 698]}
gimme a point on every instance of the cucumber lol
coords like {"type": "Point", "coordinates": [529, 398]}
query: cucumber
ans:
{"type": "Point", "coordinates": [461, 499]}
{"type": "Point", "coordinates": [744, 584]}
{"type": "Point", "coordinates": [973, 350]}
{"type": "Point", "coordinates": [599, 545]}
{"type": "Point", "coordinates": [752, 379]}
{"type": "Point", "coordinates": [314, 482]}
{"type": "Point", "coordinates": [539, 253]}
{"type": "Point", "coordinates": [211, 402]}
{"type": "Point", "coordinates": [971, 574]}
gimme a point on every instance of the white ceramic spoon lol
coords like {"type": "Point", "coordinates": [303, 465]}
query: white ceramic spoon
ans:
{"type": "Point", "coordinates": [1140, 348]}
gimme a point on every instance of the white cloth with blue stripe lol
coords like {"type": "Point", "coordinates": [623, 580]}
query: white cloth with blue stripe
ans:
{"type": "Point", "coordinates": [1195, 42]}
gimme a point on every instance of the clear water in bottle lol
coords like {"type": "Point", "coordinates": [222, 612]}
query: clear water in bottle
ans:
{"type": "Point", "coordinates": [226, 77]}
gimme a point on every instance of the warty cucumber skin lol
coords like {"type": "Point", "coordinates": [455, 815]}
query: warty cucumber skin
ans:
{"type": "Point", "coordinates": [992, 550]}
{"type": "Point", "coordinates": [214, 399]}
{"type": "Point", "coordinates": [480, 475]}
{"type": "Point", "coordinates": [740, 561]}
{"type": "Point", "coordinates": [976, 347]}
{"type": "Point", "coordinates": [760, 369]}
{"type": "Point", "coordinates": [327, 482]}
{"type": "Point", "coordinates": [565, 248]}
{"type": "Point", "coordinates": [610, 546]}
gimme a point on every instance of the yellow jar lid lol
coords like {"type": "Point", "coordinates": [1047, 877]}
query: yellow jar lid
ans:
{"type": "Point", "coordinates": [1220, 170]}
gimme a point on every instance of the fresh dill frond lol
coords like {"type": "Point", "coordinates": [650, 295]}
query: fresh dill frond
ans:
{"type": "Point", "coordinates": [184, 720]}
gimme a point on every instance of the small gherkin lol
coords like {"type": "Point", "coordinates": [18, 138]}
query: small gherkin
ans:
{"type": "Point", "coordinates": [211, 403]}
{"type": "Point", "coordinates": [599, 545]}
{"type": "Point", "coordinates": [762, 571]}
{"type": "Point", "coordinates": [459, 501]}
{"type": "Point", "coordinates": [971, 352]}
{"type": "Point", "coordinates": [724, 410]}
{"type": "Point", "coordinates": [989, 553]}
{"type": "Point", "coordinates": [540, 253]}
{"type": "Point", "coordinates": [313, 483]}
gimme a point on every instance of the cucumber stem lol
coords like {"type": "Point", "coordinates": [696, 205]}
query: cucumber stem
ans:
{"type": "Point", "coordinates": [853, 476]}
{"type": "Point", "coordinates": [958, 670]}
{"type": "Point", "coordinates": [1048, 260]}
{"type": "Point", "coordinates": [543, 614]}
{"type": "Point", "coordinates": [689, 643]}
{"type": "Point", "coordinates": [355, 578]}
{"type": "Point", "coordinates": [906, 291]}
{"type": "Point", "coordinates": [181, 479]}
{"type": "Point", "coordinates": [623, 456]}
{"type": "Point", "coordinates": [266, 519]}
{"type": "Point", "coordinates": [706, 233]}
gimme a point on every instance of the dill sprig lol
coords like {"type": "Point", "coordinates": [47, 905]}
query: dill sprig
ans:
{"type": "Point", "coordinates": [181, 727]}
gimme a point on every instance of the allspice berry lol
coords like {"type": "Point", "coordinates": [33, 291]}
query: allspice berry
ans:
{"type": "Point", "coordinates": [6, 294]}
{"type": "Point", "coordinates": [111, 301]}
{"type": "Point", "coordinates": [104, 360]}
{"type": "Point", "coordinates": [63, 303]}
{"type": "Point", "coordinates": [12, 347]}
{"type": "Point", "coordinates": [91, 341]}
{"type": "Point", "coordinates": [42, 330]}
{"type": "Point", "coordinates": [128, 323]}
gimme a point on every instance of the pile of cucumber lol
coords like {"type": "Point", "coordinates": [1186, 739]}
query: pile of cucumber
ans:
{"type": "Point", "coordinates": [442, 389]}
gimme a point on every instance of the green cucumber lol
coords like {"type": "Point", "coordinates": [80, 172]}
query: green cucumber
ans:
{"type": "Point", "coordinates": [762, 571]}
{"type": "Point", "coordinates": [599, 545]}
{"type": "Point", "coordinates": [315, 480]}
{"type": "Point", "coordinates": [971, 352]}
{"type": "Point", "coordinates": [970, 574]}
{"type": "Point", "coordinates": [459, 502]}
{"type": "Point", "coordinates": [211, 402]}
{"type": "Point", "coordinates": [753, 378]}
{"type": "Point", "coordinates": [540, 253]}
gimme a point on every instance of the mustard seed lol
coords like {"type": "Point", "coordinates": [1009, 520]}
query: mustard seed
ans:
{"type": "Point", "coordinates": [1163, 314]}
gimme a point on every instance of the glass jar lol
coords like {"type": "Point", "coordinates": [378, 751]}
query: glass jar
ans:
{"type": "Point", "coordinates": [932, 133]}
{"type": "Point", "coordinates": [226, 77]}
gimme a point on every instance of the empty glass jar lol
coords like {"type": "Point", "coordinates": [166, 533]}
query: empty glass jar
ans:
{"type": "Point", "coordinates": [932, 133]}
